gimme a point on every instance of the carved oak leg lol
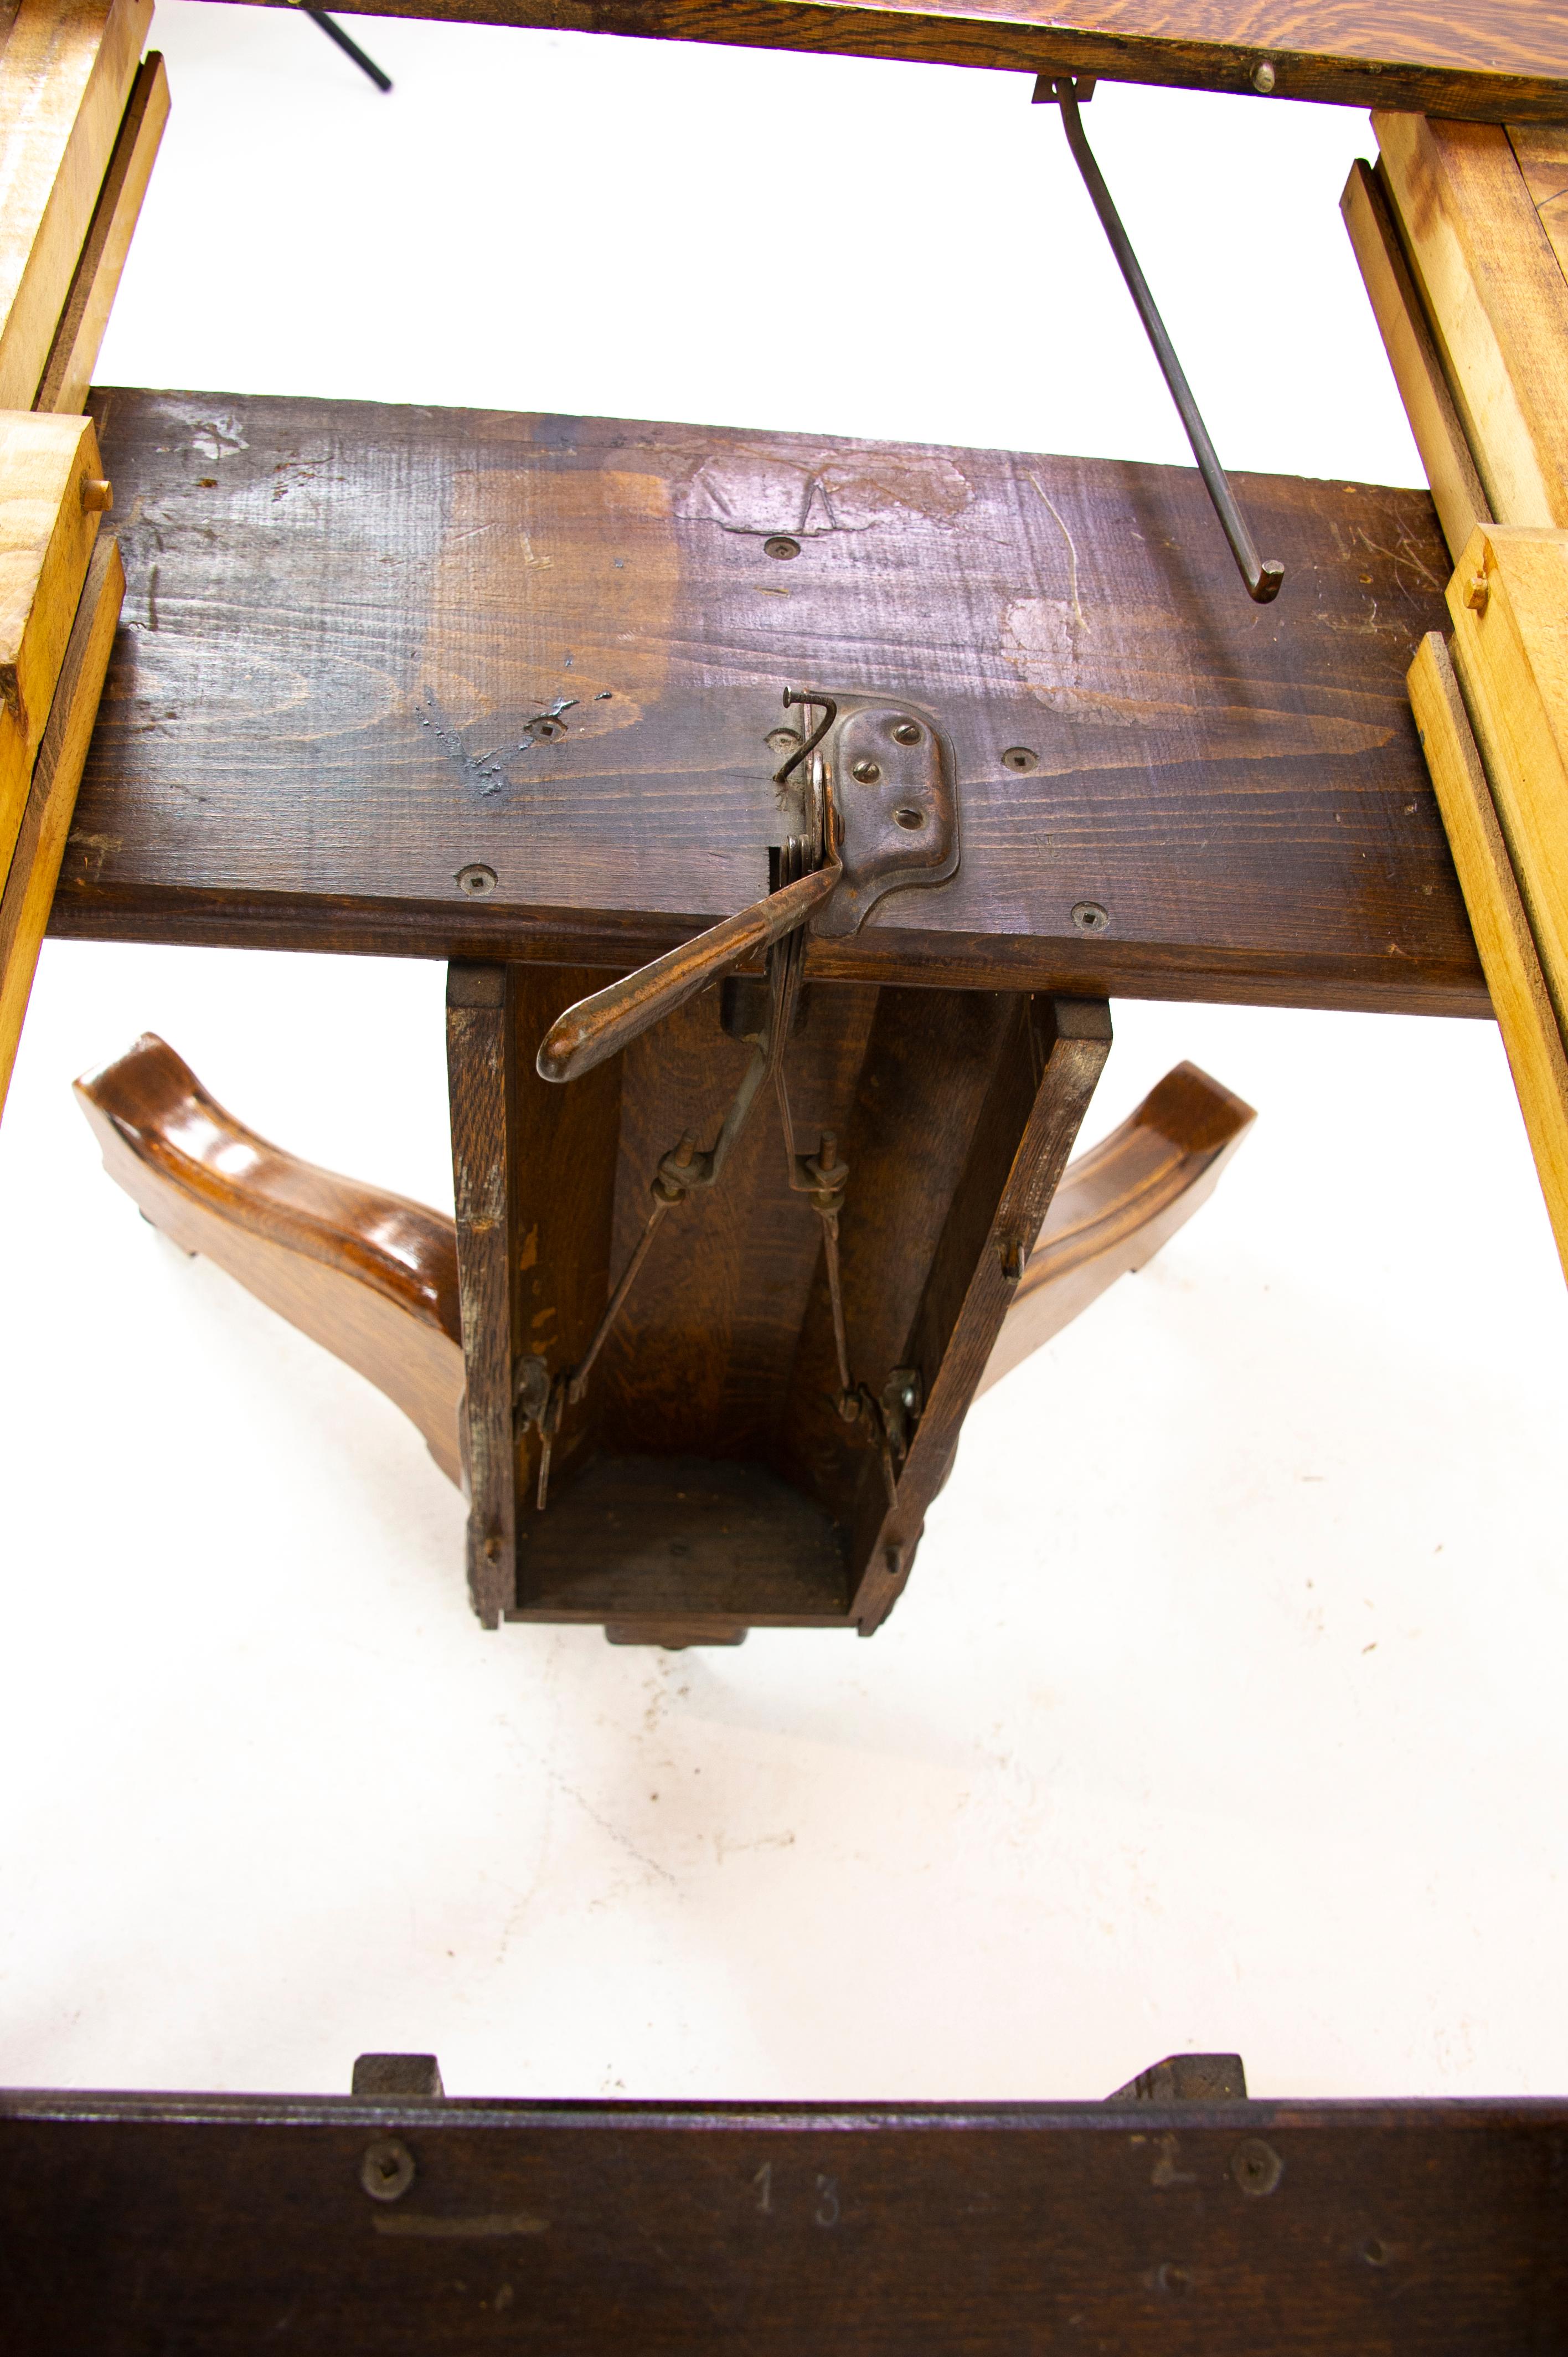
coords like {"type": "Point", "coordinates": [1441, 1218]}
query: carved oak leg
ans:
{"type": "Point", "coordinates": [371, 1275]}
{"type": "Point", "coordinates": [1119, 1203]}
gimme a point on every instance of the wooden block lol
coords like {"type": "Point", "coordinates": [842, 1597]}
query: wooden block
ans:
{"type": "Point", "coordinates": [1119, 1203]}
{"type": "Point", "coordinates": [47, 469]}
{"type": "Point", "coordinates": [65, 76]}
{"type": "Point", "coordinates": [46, 820]}
{"type": "Point", "coordinates": [1509, 601]}
{"type": "Point", "coordinates": [1415, 358]}
{"type": "Point", "coordinates": [69, 372]}
{"type": "Point", "coordinates": [1497, 298]}
{"type": "Point", "coordinates": [1492, 60]}
{"type": "Point", "coordinates": [1524, 1009]}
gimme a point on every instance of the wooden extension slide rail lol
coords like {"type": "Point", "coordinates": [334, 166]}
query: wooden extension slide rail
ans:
{"type": "Point", "coordinates": [373, 1277]}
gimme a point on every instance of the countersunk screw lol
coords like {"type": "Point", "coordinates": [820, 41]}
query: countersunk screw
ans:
{"type": "Point", "coordinates": [906, 733]}
{"type": "Point", "coordinates": [781, 545]}
{"type": "Point", "coordinates": [1174, 2278]}
{"type": "Point", "coordinates": [782, 740]}
{"type": "Point", "coordinates": [1090, 916]}
{"type": "Point", "coordinates": [547, 730]}
{"type": "Point", "coordinates": [1263, 79]}
{"type": "Point", "coordinates": [386, 2172]}
{"type": "Point", "coordinates": [909, 815]}
{"type": "Point", "coordinates": [475, 881]}
{"type": "Point", "coordinates": [1256, 2166]}
{"type": "Point", "coordinates": [867, 773]}
{"type": "Point", "coordinates": [1021, 759]}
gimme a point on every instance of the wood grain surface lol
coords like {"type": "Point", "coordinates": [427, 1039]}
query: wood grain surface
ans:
{"type": "Point", "coordinates": [1527, 1017]}
{"type": "Point", "coordinates": [68, 377]}
{"type": "Point", "coordinates": [140, 2224]}
{"type": "Point", "coordinates": [29, 884]}
{"type": "Point", "coordinates": [1489, 59]}
{"type": "Point", "coordinates": [369, 652]}
{"type": "Point", "coordinates": [370, 1275]}
{"type": "Point", "coordinates": [1119, 1203]}
{"type": "Point", "coordinates": [66, 71]}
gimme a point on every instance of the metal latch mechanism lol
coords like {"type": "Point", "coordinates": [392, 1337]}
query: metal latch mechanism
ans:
{"type": "Point", "coordinates": [870, 800]}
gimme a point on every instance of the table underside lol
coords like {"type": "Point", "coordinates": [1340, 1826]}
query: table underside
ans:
{"type": "Point", "coordinates": [344, 622]}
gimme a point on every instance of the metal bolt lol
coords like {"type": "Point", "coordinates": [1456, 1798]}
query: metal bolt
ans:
{"type": "Point", "coordinates": [781, 546]}
{"type": "Point", "coordinates": [1090, 916]}
{"type": "Point", "coordinates": [475, 881]}
{"type": "Point", "coordinates": [906, 733]}
{"type": "Point", "coordinates": [911, 815]}
{"type": "Point", "coordinates": [867, 773]}
{"type": "Point", "coordinates": [1477, 594]}
{"type": "Point", "coordinates": [1256, 2166]}
{"type": "Point", "coordinates": [1263, 79]}
{"type": "Point", "coordinates": [386, 2172]}
{"type": "Point", "coordinates": [1020, 757]}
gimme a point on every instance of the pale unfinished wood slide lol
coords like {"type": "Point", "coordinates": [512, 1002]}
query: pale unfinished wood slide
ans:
{"type": "Point", "coordinates": [68, 375]}
{"type": "Point", "coordinates": [57, 773]}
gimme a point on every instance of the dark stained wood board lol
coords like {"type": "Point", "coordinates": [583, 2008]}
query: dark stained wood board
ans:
{"type": "Point", "coordinates": [203, 2226]}
{"type": "Point", "coordinates": [341, 619]}
{"type": "Point", "coordinates": [1494, 60]}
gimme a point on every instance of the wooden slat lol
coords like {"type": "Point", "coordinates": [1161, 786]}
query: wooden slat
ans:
{"type": "Point", "coordinates": [1525, 1014]}
{"type": "Point", "coordinates": [1155, 2229]}
{"type": "Point", "coordinates": [1509, 602]}
{"type": "Point", "coordinates": [1020, 1147]}
{"type": "Point", "coordinates": [1491, 59]}
{"type": "Point", "coordinates": [68, 373]}
{"type": "Point", "coordinates": [57, 773]}
{"type": "Point", "coordinates": [1456, 492]}
{"type": "Point", "coordinates": [65, 75]}
{"type": "Point", "coordinates": [46, 535]}
{"type": "Point", "coordinates": [345, 623]}
{"type": "Point", "coordinates": [477, 1058]}
{"type": "Point", "coordinates": [1497, 298]}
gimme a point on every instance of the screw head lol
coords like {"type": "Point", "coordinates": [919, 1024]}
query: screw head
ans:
{"type": "Point", "coordinates": [1021, 759]}
{"type": "Point", "coordinates": [1090, 916]}
{"type": "Point", "coordinates": [547, 730]}
{"type": "Point", "coordinates": [386, 2172]}
{"type": "Point", "coordinates": [867, 773]}
{"type": "Point", "coordinates": [908, 732]}
{"type": "Point", "coordinates": [909, 815]}
{"type": "Point", "coordinates": [1256, 2166]}
{"type": "Point", "coordinates": [781, 545]}
{"type": "Point", "coordinates": [1173, 2278]}
{"type": "Point", "coordinates": [477, 880]}
{"type": "Point", "coordinates": [1263, 79]}
{"type": "Point", "coordinates": [782, 740]}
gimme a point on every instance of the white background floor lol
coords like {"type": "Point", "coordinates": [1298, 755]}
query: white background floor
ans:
{"type": "Point", "coordinates": [1224, 1708]}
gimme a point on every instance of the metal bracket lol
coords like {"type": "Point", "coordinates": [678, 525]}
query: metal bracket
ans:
{"type": "Point", "coordinates": [891, 776]}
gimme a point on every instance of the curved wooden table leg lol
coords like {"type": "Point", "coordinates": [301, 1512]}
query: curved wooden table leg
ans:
{"type": "Point", "coordinates": [1119, 1203]}
{"type": "Point", "coordinates": [371, 1275]}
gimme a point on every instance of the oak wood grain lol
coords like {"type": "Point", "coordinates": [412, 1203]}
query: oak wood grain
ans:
{"type": "Point", "coordinates": [346, 628]}
{"type": "Point", "coordinates": [1413, 356]}
{"type": "Point", "coordinates": [66, 71]}
{"type": "Point", "coordinates": [46, 820]}
{"type": "Point", "coordinates": [1495, 293]}
{"type": "Point", "coordinates": [68, 373]}
{"type": "Point", "coordinates": [1118, 1205]}
{"type": "Point", "coordinates": [1526, 1017]}
{"type": "Point", "coordinates": [1492, 59]}
{"type": "Point", "coordinates": [370, 1275]}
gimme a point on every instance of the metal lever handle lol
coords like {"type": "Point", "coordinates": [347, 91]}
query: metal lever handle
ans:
{"type": "Point", "coordinates": [1262, 576]}
{"type": "Point", "coordinates": [601, 1025]}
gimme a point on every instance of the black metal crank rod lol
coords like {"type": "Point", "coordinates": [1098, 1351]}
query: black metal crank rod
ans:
{"type": "Point", "coordinates": [1262, 576]}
